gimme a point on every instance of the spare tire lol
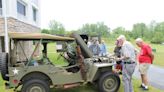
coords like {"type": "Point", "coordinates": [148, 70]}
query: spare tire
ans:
{"type": "Point", "coordinates": [3, 66]}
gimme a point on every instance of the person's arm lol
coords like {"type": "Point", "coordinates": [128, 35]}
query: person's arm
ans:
{"type": "Point", "coordinates": [105, 49]}
{"type": "Point", "coordinates": [98, 49]}
{"type": "Point", "coordinates": [152, 56]}
{"type": "Point", "coordinates": [125, 53]}
{"type": "Point", "coordinates": [149, 51]}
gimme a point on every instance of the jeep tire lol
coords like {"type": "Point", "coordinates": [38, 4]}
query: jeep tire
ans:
{"type": "Point", "coordinates": [109, 82]}
{"type": "Point", "coordinates": [35, 85]}
{"type": "Point", "coordinates": [3, 66]}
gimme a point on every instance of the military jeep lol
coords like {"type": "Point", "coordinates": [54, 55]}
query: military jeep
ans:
{"type": "Point", "coordinates": [32, 74]}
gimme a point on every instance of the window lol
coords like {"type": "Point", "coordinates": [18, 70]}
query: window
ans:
{"type": "Point", "coordinates": [0, 3]}
{"type": "Point", "coordinates": [21, 8]}
{"type": "Point", "coordinates": [34, 14]}
{"type": "Point", "coordinates": [0, 7]}
{"type": "Point", "coordinates": [35, 2]}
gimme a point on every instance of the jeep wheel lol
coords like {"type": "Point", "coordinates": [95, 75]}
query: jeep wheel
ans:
{"type": "Point", "coordinates": [35, 85]}
{"type": "Point", "coordinates": [3, 66]}
{"type": "Point", "coordinates": [109, 82]}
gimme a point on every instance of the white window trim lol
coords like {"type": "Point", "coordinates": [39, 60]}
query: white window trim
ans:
{"type": "Point", "coordinates": [36, 14]}
{"type": "Point", "coordinates": [26, 6]}
{"type": "Point", "coordinates": [1, 9]}
{"type": "Point", "coordinates": [35, 6]}
{"type": "Point", "coordinates": [24, 1]}
{"type": "Point", "coordinates": [20, 16]}
{"type": "Point", "coordinates": [35, 2]}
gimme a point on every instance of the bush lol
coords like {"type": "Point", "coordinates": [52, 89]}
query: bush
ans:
{"type": "Point", "coordinates": [158, 38]}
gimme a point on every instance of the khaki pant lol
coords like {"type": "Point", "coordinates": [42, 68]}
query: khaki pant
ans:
{"type": "Point", "coordinates": [143, 68]}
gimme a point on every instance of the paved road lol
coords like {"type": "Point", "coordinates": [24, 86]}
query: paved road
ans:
{"type": "Point", "coordinates": [156, 76]}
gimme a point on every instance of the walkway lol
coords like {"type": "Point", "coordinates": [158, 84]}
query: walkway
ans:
{"type": "Point", "coordinates": [155, 75]}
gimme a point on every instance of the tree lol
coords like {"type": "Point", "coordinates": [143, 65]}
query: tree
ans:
{"type": "Point", "coordinates": [139, 30]}
{"type": "Point", "coordinates": [151, 29]}
{"type": "Point", "coordinates": [152, 25]}
{"type": "Point", "coordinates": [160, 28]}
{"type": "Point", "coordinates": [45, 31]}
{"type": "Point", "coordinates": [158, 33]}
{"type": "Point", "coordinates": [121, 31]}
{"type": "Point", "coordinates": [56, 28]}
{"type": "Point", "coordinates": [99, 29]}
{"type": "Point", "coordinates": [158, 38]}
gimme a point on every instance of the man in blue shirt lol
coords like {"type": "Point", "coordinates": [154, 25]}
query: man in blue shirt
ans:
{"type": "Point", "coordinates": [94, 47]}
{"type": "Point", "coordinates": [103, 50]}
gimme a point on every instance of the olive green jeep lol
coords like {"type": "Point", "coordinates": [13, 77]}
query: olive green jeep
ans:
{"type": "Point", "coordinates": [33, 74]}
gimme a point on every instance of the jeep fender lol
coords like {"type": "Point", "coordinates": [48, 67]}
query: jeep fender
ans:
{"type": "Point", "coordinates": [37, 75]}
{"type": "Point", "coordinates": [97, 69]}
{"type": "Point", "coordinates": [23, 75]}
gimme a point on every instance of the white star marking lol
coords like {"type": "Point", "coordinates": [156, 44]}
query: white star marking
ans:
{"type": "Point", "coordinates": [15, 71]}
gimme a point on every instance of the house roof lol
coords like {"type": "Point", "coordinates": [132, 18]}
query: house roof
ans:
{"type": "Point", "coordinates": [37, 36]}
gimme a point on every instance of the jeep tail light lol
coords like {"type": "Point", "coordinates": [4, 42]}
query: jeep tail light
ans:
{"type": "Point", "coordinates": [15, 81]}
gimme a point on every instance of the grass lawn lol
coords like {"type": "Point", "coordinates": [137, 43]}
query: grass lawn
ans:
{"type": "Point", "coordinates": [159, 54]}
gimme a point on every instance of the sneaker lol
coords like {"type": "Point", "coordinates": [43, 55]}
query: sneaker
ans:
{"type": "Point", "coordinates": [145, 88]}
{"type": "Point", "coordinates": [142, 86]}
{"type": "Point", "coordinates": [120, 72]}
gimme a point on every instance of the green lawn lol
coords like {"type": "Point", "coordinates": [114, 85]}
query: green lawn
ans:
{"type": "Point", "coordinates": [159, 54]}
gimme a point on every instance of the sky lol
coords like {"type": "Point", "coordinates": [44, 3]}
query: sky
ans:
{"type": "Point", "coordinates": [114, 13]}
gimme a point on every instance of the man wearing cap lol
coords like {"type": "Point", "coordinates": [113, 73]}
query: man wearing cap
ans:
{"type": "Point", "coordinates": [145, 59]}
{"type": "Point", "coordinates": [128, 57]}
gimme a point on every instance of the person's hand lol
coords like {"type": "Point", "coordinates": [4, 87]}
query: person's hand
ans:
{"type": "Point", "coordinates": [118, 59]}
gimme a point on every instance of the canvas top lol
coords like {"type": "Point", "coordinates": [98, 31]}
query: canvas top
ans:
{"type": "Point", "coordinates": [37, 36]}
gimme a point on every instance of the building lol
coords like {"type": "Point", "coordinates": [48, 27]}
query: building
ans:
{"type": "Point", "coordinates": [22, 16]}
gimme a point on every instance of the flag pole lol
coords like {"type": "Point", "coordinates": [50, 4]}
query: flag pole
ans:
{"type": "Point", "coordinates": [5, 27]}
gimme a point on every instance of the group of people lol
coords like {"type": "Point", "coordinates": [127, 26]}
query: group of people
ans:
{"type": "Point", "coordinates": [128, 56]}
{"type": "Point", "coordinates": [98, 49]}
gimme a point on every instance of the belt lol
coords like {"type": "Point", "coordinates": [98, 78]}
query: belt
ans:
{"type": "Point", "coordinates": [129, 62]}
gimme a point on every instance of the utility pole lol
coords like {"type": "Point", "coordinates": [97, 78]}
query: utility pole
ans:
{"type": "Point", "coordinates": [5, 26]}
